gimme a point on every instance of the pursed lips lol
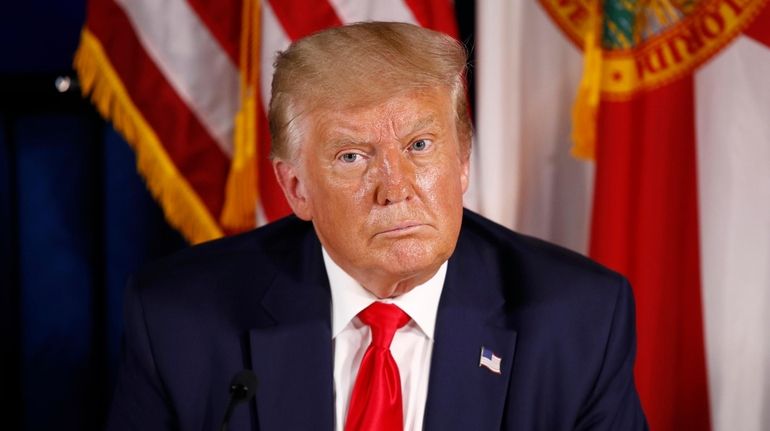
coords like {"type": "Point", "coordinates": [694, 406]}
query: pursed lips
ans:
{"type": "Point", "coordinates": [400, 228]}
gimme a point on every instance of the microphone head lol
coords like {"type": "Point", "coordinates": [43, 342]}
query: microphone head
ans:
{"type": "Point", "coordinates": [243, 386]}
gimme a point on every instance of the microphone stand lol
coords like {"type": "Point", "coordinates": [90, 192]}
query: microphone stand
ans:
{"type": "Point", "coordinates": [243, 387]}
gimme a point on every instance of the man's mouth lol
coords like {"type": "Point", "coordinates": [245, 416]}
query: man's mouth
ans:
{"type": "Point", "coordinates": [402, 228]}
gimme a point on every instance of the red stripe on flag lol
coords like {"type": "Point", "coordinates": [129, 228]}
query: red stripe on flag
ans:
{"type": "Point", "coordinates": [760, 27]}
{"type": "Point", "coordinates": [270, 194]}
{"type": "Point", "coordinates": [192, 150]}
{"type": "Point", "coordinates": [223, 20]}
{"type": "Point", "coordinates": [437, 15]}
{"type": "Point", "coordinates": [645, 225]}
{"type": "Point", "coordinates": [299, 18]}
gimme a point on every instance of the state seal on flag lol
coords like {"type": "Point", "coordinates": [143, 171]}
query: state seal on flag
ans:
{"type": "Point", "coordinates": [649, 43]}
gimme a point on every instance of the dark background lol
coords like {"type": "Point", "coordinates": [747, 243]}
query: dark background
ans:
{"type": "Point", "coordinates": [75, 221]}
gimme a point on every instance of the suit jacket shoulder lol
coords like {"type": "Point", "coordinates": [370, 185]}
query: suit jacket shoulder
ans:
{"type": "Point", "coordinates": [266, 247]}
{"type": "Point", "coordinates": [562, 324]}
{"type": "Point", "coordinates": [189, 318]}
{"type": "Point", "coordinates": [531, 255]}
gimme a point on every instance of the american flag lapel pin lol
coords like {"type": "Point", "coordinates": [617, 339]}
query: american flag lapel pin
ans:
{"type": "Point", "coordinates": [489, 360]}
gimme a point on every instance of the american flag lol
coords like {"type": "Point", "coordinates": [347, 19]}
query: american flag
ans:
{"type": "Point", "coordinates": [490, 360]}
{"type": "Point", "coordinates": [187, 83]}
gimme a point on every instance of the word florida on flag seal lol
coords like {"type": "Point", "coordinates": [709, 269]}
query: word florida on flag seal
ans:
{"type": "Point", "coordinates": [646, 47]}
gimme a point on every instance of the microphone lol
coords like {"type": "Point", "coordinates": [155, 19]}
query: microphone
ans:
{"type": "Point", "coordinates": [242, 388]}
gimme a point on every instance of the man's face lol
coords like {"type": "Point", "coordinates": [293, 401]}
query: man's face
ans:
{"type": "Point", "coordinates": [383, 186]}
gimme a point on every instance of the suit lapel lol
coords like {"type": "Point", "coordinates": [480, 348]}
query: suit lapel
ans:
{"type": "Point", "coordinates": [462, 394]}
{"type": "Point", "coordinates": [294, 368]}
{"type": "Point", "coordinates": [293, 358]}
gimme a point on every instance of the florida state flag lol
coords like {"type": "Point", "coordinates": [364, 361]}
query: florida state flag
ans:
{"type": "Point", "coordinates": [672, 189]}
{"type": "Point", "coordinates": [636, 115]}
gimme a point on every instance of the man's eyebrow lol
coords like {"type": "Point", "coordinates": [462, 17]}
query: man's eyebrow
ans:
{"type": "Point", "coordinates": [342, 139]}
{"type": "Point", "coordinates": [344, 136]}
{"type": "Point", "coordinates": [420, 124]}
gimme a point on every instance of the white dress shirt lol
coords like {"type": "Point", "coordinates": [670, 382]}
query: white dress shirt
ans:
{"type": "Point", "coordinates": [411, 348]}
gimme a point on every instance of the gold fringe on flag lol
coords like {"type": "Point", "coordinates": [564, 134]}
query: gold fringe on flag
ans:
{"type": "Point", "coordinates": [241, 193]}
{"type": "Point", "coordinates": [585, 110]}
{"type": "Point", "coordinates": [182, 206]}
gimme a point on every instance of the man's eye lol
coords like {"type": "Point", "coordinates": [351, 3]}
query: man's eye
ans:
{"type": "Point", "coordinates": [420, 145]}
{"type": "Point", "coordinates": [349, 157]}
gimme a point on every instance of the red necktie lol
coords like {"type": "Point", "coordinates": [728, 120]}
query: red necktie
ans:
{"type": "Point", "coordinates": [376, 400]}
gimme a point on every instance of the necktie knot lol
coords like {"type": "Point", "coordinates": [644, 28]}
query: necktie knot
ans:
{"type": "Point", "coordinates": [383, 319]}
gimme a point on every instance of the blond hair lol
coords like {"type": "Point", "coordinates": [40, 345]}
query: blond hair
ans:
{"type": "Point", "coordinates": [361, 64]}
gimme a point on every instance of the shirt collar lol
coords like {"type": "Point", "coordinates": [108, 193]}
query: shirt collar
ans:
{"type": "Point", "coordinates": [349, 298]}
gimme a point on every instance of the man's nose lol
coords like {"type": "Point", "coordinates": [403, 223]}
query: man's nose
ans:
{"type": "Point", "coordinates": [395, 178]}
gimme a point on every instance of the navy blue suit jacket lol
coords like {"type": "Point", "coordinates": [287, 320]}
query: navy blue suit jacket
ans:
{"type": "Point", "coordinates": [563, 326]}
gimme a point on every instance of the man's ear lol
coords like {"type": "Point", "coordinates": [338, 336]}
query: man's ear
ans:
{"type": "Point", "coordinates": [293, 188]}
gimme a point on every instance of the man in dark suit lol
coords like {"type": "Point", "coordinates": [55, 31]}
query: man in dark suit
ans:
{"type": "Point", "coordinates": [381, 304]}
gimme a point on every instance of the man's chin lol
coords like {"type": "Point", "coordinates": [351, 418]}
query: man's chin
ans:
{"type": "Point", "coordinates": [408, 259]}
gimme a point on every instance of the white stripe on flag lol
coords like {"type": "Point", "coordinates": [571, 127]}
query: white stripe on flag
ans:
{"type": "Point", "coordinates": [274, 39]}
{"type": "Point", "coordinates": [175, 38]}
{"type": "Point", "coordinates": [527, 78]}
{"type": "Point", "coordinates": [733, 132]}
{"type": "Point", "coordinates": [350, 11]}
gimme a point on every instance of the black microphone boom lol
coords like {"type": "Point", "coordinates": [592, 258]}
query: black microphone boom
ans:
{"type": "Point", "coordinates": [242, 388]}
